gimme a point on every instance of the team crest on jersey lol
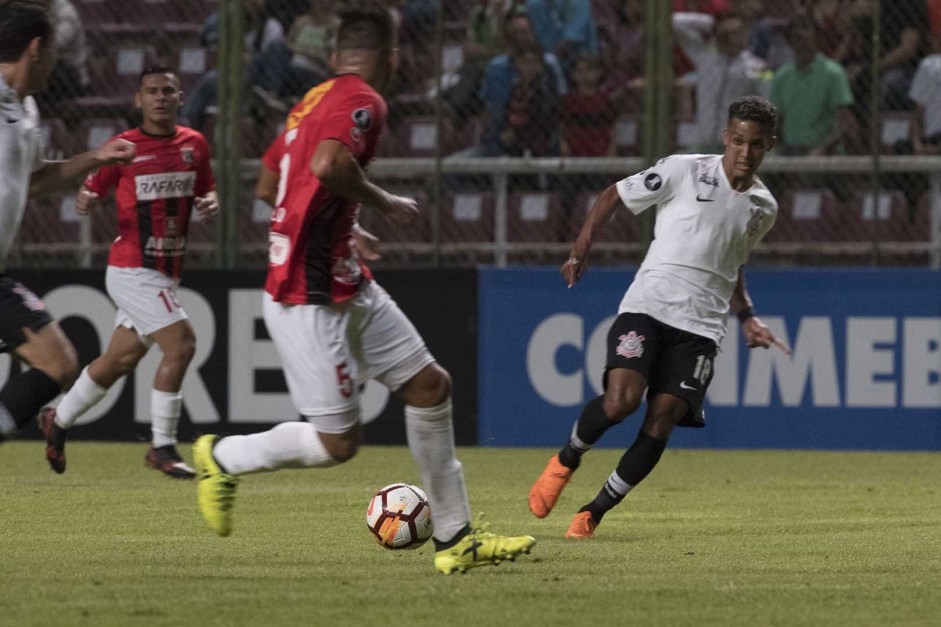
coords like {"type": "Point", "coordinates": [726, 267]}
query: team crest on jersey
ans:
{"type": "Point", "coordinates": [171, 226]}
{"type": "Point", "coordinates": [653, 181]}
{"type": "Point", "coordinates": [632, 345]}
{"type": "Point", "coordinates": [187, 153]}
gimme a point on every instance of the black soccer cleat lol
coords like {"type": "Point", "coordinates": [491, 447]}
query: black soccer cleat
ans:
{"type": "Point", "coordinates": [55, 439]}
{"type": "Point", "coordinates": [167, 460]}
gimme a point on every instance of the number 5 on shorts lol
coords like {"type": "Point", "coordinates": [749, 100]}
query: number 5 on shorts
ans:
{"type": "Point", "coordinates": [344, 380]}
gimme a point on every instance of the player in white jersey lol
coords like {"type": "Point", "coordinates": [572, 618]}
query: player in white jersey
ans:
{"type": "Point", "coordinates": [711, 211]}
{"type": "Point", "coordinates": [27, 56]}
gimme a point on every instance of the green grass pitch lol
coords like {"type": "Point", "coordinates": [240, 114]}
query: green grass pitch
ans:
{"type": "Point", "coordinates": [711, 538]}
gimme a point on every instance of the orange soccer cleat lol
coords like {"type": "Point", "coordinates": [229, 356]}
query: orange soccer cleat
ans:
{"type": "Point", "coordinates": [583, 526]}
{"type": "Point", "coordinates": [547, 488]}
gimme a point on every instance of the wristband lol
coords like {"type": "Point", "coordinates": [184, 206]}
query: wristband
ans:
{"type": "Point", "coordinates": [745, 313]}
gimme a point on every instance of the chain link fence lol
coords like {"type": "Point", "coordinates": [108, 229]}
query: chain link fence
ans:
{"type": "Point", "coordinates": [508, 117]}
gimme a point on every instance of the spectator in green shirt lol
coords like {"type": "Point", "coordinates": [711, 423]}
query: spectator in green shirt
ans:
{"type": "Point", "coordinates": [813, 95]}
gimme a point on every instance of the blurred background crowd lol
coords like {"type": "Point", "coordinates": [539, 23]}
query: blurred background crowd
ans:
{"type": "Point", "coordinates": [530, 79]}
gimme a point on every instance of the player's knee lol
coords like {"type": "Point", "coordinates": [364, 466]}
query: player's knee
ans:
{"type": "Point", "coordinates": [341, 447]}
{"type": "Point", "coordinates": [429, 388]}
{"type": "Point", "coordinates": [619, 406]}
{"type": "Point", "coordinates": [181, 352]}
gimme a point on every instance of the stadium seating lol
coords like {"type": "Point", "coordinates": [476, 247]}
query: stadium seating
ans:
{"type": "Point", "coordinates": [43, 224]}
{"type": "Point", "coordinates": [627, 135]}
{"type": "Point", "coordinates": [624, 226]}
{"type": "Point", "coordinates": [55, 138]}
{"type": "Point", "coordinates": [896, 130]}
{"type": "Point", "coordinates": [190, 63]}
{"type": "Point", "coordinates": [811, 215]}
{"type": "Point", "coordinates": [891, 216]}
{"type": "Point", "coordinates": [92, 133]}
{"type": "Point", "coordinates": [536, 216]}
{"type": "Point", "coordinates": [373, 221]}
{"type": "Point", "coordinates": [467, 217]}
{"type": "Point", "coordinates": [152, 12]}
{"type": "Point", "coordinates": [922, 222]}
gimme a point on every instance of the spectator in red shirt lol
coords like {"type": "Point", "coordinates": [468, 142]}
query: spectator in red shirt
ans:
{"type": "Point", "coordinates": [587, 112]}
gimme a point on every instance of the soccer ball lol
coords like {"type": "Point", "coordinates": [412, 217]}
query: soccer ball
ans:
{"type": "Point", "coordinates": [399, 517]}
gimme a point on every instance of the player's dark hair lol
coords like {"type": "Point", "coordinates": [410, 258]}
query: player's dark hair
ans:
{"type": "Point", "coordinates": [366, 26]}
{"type": "Point", "coordinates": [21, 21]}
{"type": "Point", "coordinates": [156, 69]}
{"type": "Point", "coordinates": [755, 109]}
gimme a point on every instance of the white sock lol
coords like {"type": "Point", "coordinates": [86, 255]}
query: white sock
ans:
{"type": "Point", "coordinates": [430, 433]}
{"type": "Point", "coordinates": [287, 445]}
{"type": "Point", "coordinates": [165, 408]}
{"type": "Point", "coordinates": [84, 395]}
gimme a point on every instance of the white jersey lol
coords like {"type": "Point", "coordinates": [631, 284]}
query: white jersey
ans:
{"type": "Point", "coordinates": [704, 232]}
{"type": "Point", "coordinates": [21, 154]}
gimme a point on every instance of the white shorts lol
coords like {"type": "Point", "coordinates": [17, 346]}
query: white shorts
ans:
{"type": "Point", "coordinates": [329, 350]}
{"type": "Point", "coordinates": [147, 300]}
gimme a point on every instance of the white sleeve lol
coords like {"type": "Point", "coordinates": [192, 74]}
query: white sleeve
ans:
{"type": "Point", "coordinates": [652, 186]}
{"type": "Point", "coordinates": [32, 110]}
{"type": "Point", "coordinates": [692, 32]}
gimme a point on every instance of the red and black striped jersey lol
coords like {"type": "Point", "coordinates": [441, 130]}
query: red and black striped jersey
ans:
{"type": "Point", "coordinates": [309, 255]}
{"type": "Point", "coordinates": [155, 196]}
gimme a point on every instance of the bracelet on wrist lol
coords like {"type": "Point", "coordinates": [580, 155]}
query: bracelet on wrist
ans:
{"type": "Point", "coordinates": [745, 313]}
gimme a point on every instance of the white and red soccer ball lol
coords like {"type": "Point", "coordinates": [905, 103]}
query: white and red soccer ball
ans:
{"type": "Point", "coordinates": [399, 517]}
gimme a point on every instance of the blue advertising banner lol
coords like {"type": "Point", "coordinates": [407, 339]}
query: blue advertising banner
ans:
{"type": "Point", "coordinates": [865, 372]}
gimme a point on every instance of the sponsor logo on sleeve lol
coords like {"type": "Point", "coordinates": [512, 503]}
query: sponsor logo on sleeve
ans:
{"type": "Point", "coordinates": [279, 248]}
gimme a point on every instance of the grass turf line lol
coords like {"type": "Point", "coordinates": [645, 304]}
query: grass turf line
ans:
{"type": "Point", "coordinates": [711, 538]}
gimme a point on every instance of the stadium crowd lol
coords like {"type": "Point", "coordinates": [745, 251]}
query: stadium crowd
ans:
{"type": "Point", "coordinates": [541, 77]}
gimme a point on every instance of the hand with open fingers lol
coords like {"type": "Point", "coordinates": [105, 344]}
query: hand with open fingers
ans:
{"type": "Point", "coordinates": [573, 269]}
{"type": "Point", "coordinates": [116, 151]}
{"type": "Point", "coordinates": [401, 210]}
{"type": "Point", "coordinates": [757, 334]}
{"type": "Point", "coordinates": [207, 207]}
{"type": "Point", "coordinates": [364, 244]}
{"type": "Point", "coordinates": [86, 201]}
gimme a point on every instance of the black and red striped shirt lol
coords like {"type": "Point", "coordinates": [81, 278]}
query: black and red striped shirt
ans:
{"type": "Point", "coordinates": [155, 196]}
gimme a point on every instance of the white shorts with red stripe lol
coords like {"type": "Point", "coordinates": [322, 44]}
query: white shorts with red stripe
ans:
{"type": "Point", "coordinates": [147, 300]}
{"type": "Point", "coordinates": [328, 351]}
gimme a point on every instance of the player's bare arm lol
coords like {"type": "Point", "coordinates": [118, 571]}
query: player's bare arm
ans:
{"type": "Point", "coordinates": [755, 331]}
{"type": "Point", "coordinates": [207, 206]}
{"type": "Point", "coordinates": [57, 176]}
{"type": "Point", "coordinates": [338, 171]}
{"type": "Point", "coordinates": [598, 215]}
{"type": "Point", "coordinates": [267, 187]}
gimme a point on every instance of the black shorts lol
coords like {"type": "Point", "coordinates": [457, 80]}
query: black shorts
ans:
{"type": "Point", "coordinates": [19, 308]}
{"type": "Point", "coordinates": [674, 361]}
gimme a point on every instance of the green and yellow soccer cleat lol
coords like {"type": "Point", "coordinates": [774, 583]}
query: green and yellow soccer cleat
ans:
{"type": "Point", "coordinates": [479, 548]}
{"type": "Point", "coordinates": [215, 488]}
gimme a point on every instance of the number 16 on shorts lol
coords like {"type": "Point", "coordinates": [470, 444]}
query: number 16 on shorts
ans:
{"type": "Point", "coordinates": [169, 299]}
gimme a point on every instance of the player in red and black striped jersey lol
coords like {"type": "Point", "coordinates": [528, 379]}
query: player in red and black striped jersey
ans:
{"type": "Point", "coordinates": [334, 327]}
{"type": "Point", "coordinates": [169, 178]}
{"type": "Point", "coordinates": [155, 196]}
